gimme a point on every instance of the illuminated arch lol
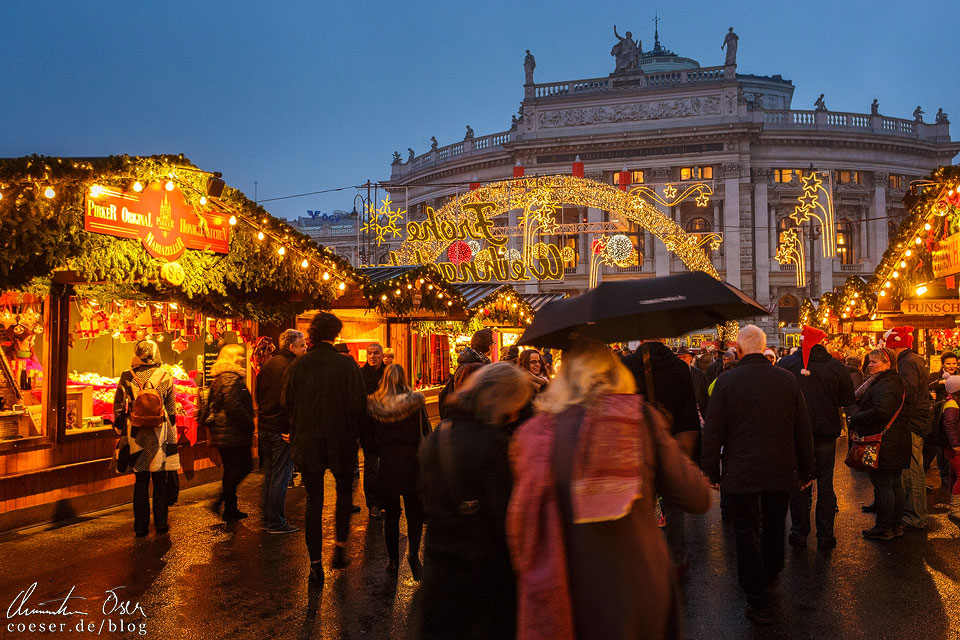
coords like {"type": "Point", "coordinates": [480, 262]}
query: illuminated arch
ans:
{"type": "Point", "coordinates": [533, 194]}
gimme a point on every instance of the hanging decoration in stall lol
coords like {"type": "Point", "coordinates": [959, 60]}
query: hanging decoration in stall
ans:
{"type": "Point", "coordinates": [503, 307]}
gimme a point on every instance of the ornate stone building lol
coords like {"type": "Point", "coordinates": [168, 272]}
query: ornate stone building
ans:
{"type": "Point", "coordinates": [670, 121]}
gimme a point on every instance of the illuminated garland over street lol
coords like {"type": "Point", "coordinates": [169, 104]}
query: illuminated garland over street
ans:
{"type": "Point", "coordinates": [420, 289]}
{"type": "Point", "coordinates": [504, 307]}
{"type": "Point", "coordinates": [536, 193]}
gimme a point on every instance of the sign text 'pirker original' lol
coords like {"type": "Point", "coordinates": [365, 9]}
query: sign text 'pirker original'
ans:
{"type": "Point", "coordinates": [931, 307]}
{"type": "Point", "coordinates": [162, 220]}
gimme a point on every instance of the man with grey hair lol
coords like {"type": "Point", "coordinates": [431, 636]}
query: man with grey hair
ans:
{"type": "Point", "coordinates": [274, 432]}
{"type": "Point", "coordinates": [758, 426]}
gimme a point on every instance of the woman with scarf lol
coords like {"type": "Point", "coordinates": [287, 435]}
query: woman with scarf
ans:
{"type": "Point", "coordinates": [531, 362]}
{"type": "Point", "coordinates": [154, 450]}
{"type": "Point", "coordinates": [400, 422]}
{"type": "Point", "coordinates": [468, 586]}
{"type": "Point", "coordinates": [589, 558]}
{"type": "Point", "coordinates": [880, 400]}
{"type": "Point", "coordinates": [228, 415]}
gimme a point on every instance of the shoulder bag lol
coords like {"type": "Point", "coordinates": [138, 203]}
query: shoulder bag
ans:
{"type": "Point", "coordinates": [864, 452]}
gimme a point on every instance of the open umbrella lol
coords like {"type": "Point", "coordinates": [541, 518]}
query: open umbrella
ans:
{"type": "Point", "coordinates": [637, 309]}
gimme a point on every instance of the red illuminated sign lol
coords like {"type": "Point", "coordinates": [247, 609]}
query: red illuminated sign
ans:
{"type": "Point", "coordinates": [161, 220]}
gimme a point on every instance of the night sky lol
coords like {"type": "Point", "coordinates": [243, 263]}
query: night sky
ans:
{"type": "Point", "coordinates": [307, 96]}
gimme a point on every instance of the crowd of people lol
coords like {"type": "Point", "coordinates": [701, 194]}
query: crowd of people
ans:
{"type": "Point", "coordinates": [535, 496]}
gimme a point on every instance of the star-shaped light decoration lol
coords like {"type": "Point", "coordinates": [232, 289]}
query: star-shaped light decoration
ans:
{"type": "Point", "coordinates": [179, 345]}
{"type": "Point", "coordinates": [382, 221]}
{"type": "Point", "coordinates": [670, 192]}
{"type": "Point", "coordinates": [702, 199]}
{"type": "Point", "coordinates": [812, 182]}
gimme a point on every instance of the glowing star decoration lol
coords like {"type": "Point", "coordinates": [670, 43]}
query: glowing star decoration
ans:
{"type": "Point", "coordinates": [179, 345]}
{"type": "Point", "coordinates": [702, 200]}
{"type": "Point", "coordinates": [702, 190]}
{"type": "Point", "coordinates": [790, 251]}
{"type": "Point", "coordinates": [815, 202]}
{"type": "Point", "coordinates": [382, 221]}
{"type": "Point", "coordinates": [670, 192]}
{"type": "Point", "coordinates": [459, 252]}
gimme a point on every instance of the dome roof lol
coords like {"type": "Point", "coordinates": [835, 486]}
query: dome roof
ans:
{"type": "Point", "coordinates": [661, 59]}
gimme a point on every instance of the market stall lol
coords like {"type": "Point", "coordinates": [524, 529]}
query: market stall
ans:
{"type": "Point", "coordinates": [106, 252]}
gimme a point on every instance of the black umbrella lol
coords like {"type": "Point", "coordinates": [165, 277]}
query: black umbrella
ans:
{"type": "Point", "coordinates": [637, 309]}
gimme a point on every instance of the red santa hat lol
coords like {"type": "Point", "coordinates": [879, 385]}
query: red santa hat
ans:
{"type": "Point", "coordinates": [809, 337]}
{"type": "Point", "coordinates": [898, 338]}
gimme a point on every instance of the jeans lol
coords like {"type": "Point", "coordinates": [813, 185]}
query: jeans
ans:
{"type": "Point", "coordinates": [371, 477]}
{"type": "Point", "coordinates": [237, 463]}
{"type": "Point", "coordinates": [313, 526]}
{"type": "Point", "coordinates": [759, 520]}
{"type": "Point", "coordinates": [676, 531]}
{"type": "Point", "coordinates": [277, 470]}
{"type": "Point", "coordinates": [825, 454]}
{"type": "Point", "coordinates": [390, 501]}
{"type": "Point", "coordinates": [141, 501]}
{"type": "Point", "coordinates": [890, 497]}
{"type": "Point", "coordinates": [915, 486]}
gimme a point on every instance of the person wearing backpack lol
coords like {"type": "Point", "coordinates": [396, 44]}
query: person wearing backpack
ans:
{"type": "Point", "coordinates": [144, 409]}
{"type": "Point", "coordinates": [228, 415]}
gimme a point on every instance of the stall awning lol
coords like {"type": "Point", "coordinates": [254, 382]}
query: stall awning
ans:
{"type": "Point", "coordinates": [379, 274]}
{"type": "Point", "coordinates": [474, 294]}
{"type": "Point", "coordinates": [538, 300]}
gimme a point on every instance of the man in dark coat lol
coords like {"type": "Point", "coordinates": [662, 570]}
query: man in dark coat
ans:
{"type": "Point", "coordinates": [673, 388]}
{"type": "Point", "coordinates": [372, 373]}
{"type": "Point", "coordinates": [758, 418]}
{"type": "Point", "coordinates": [915, 375]}
{"type": "Point", "coordinates": [274, 431]}
{"type": "Point", "coordinates": [325, 401]}
{"type": "Point", "coordinates": [481, 346]}
{"type": "Point", "coordinates": [699, 379]}
{"type": "Point", "coordinates": [826, 388]}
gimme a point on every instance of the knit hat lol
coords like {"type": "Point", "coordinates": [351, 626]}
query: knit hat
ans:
{"type": "Point", "coordinates": [809, 338]}
{"type": "Point", "coordinates": [898, 338]}
{"type": "Point", "coordinates": [952, 384]}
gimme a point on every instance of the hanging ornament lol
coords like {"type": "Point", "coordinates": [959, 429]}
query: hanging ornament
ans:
{"type": "Point", "coordinates": [459, 252]}
{"type": "Point", "coordinates": [173, 273]}
{"type": "Point", "coordinates": [513, 254]}
{"type": "Point", "coordinates": [474, 247]}
{"type": "Point", "coordinates": [619, 247]}
{"type": "Point", "coordinates": [179, 345]}
{"type": "Point", "coordinates": [597, 246]}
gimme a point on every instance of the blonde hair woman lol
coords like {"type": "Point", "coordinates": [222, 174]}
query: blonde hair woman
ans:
{"type": "Point", "coordinates": [468, 587]}
{"type": "Point", "coordinates": [228, 416]}
{"type": "Point", "coordinates": [589, 556]}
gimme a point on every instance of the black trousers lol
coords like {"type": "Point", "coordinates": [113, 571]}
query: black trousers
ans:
{"type": "Point", "coordinates": [759, 520]}
{"type": "Point", "coordinates": [141, 501]}
{"type": "Point", "coordinates": [237, 463]}
{"type": "Point", "coordinates": [825, 458]}
{"type": "Point", "coordinates": [313, 519]}
{"type": "Point", "coordinates": [390, 501]}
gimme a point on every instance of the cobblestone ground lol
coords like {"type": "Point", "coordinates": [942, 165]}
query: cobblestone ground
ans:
{"type": "Point", "coordinates": [209, 579]}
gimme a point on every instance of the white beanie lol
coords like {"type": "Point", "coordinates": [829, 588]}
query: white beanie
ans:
{"type": "Point", "coordinates": [952, 384]}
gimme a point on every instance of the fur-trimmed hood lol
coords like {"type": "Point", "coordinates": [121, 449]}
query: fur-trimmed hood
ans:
{"type": "Point", "coordinates": [396, 408]}
{"type": "Point", "coordinates": [227, 367]}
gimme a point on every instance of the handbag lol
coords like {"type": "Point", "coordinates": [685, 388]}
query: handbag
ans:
{"type": "Point", "coordinates": [864, 451]}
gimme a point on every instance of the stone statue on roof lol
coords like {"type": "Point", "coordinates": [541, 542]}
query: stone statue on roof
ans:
{"type": "Point", "coordinates": [942, 117]}
{"type": "Point", "coordinates": [469, 134]}
{"type": "Point", "coordinates": [433, 143]}
{"type": "Point", "coordinates": [730, 44]}
{"type": "Point", "coordinates": [918, 114]}
{"type": "Point", "coordinates": [820, 105]}
{"type": "Point", "coordinates": [396, 157]}
{"type": "Point", "coordinates": [529, 64]}
{"type": "Point", "coordinates": [875, 107]}
{"type": "Point", "coordinates": [627, 52]}
{"type": "Point", "coordinates": [410, 154]}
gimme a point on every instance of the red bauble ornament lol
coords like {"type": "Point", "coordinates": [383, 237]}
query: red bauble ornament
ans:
{"type": "Point", "coordinates": [597, 247]}
{"type": "Point", "coordinates": [459, 252]}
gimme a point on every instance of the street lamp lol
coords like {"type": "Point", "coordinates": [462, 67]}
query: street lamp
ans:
{"type": "Point", "coordinates": [362, 255]}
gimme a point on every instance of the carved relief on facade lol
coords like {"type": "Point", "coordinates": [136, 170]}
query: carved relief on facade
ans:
{"type": "Point", "coordinates": [686, 107]}
{"type": "Point", "coordinates": [730, 170]}
{"type": "Point", "coordinates": [763, 175]}
{"type": "Point", "coordinates": [662, 174]}
{"type": "Point", "coordinates": [880, 179]}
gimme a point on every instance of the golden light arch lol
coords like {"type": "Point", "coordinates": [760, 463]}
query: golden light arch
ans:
{"type": "Point", "coordinates": [532, 194]}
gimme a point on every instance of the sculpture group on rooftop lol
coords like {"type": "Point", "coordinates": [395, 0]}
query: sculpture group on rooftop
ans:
{"type": "Point", "coordinates": [626, 52]}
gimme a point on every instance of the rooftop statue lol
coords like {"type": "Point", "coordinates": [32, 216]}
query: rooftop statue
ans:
{"type": "Point", "coordinates": [433, 143]}
{"type": "Point", "coordinates": [410, 154]}
{"type": "Point", "coordinates": [918, 114]}
{"type": "Point", "coordinates": [874, 107]}
{"type": "Point", "coordinates": [942, 117]}
{"type": "Point", "coordinates": [820, 105]}
{"type": "Point", "coordinates": [627, 52]}
{"type": "Point", "coordinates": [529, 64]}
{"type": "Point", "coordinates": [469, 134]}
{"type": "Point", "coordinates": [730, 43]}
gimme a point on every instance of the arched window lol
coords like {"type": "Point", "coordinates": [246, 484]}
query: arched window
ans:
{"type": "Point", "coordinates": [698, 225]}
{"type": "Point", "coordinates": [784, 224]}
{"type": "Point", "coordinates": [788, 310]}
{"type": "Point", "coordinates": [845, 248]}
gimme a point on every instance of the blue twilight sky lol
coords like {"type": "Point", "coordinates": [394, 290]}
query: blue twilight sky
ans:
{"type": "Point", "coordinates": [305, 96]}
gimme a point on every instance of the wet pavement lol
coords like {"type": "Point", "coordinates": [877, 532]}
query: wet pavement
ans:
{"type": "Point", "coordinates": [209, 579]}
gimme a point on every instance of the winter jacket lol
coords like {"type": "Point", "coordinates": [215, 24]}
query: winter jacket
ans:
{"type": "Point", "coordinates": [825, 390]}
{"type": "Point", "coordinates": [229, 408]}
{"type": "Point", "coordinates": [399, 423]}
{"type": "Point", "coordinates": [877, 405]}
{"type": "Point", "coordinates": [950, 423]}
{"type": "Point", "coordinates": [672, 384]}
{"type": "Point", "coordinates": [372, 377]}
{"type": "Point", "coordinates": [915, 375]}
{"type": "Point", "coordinates": [699, 380]}
{"type": "Point", "coordinates": [270, 380]}
{"type": "Point", "coordinates": [758, 418]}
{"type": "Point", "coordinates": [467, 356]}
{"type": "Point", "coordinates": [325, 401]}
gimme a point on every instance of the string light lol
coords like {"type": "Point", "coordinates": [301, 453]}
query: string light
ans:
{"type": "Point", "coordinates": [95, 190]}
{"type": "Point", "coordinates": [342, 286]}
{"type": "Point", "coordinates": [326, 276]}
{"type": "Point", "coordinates": [137, 186]}
{"type": "Point", "coordinates": [169, 185]}
{"type": "Point", "coordinates": [282, 250]}
{"type": "Point", "coordinates": [305, 263]}
{"type": "Point", "coordinates": [233, 222]}
{"type": "Point", "coordinates": [203, 200]}
{"type": "Point", "coordinates": [260, 236]}
{"type": "Point", "coordinates": [49, 192]}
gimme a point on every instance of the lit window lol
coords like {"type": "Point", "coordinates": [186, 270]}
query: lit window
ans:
{"type": "Point", "coordinates": [636, 177]}
{"type": "Point", "coordinates": [894, 182]}
{"type": "Point", "coordinates": [784, 225]}
{"type": "Point", "coordinates": [845, 241]}
{"type": "Point", "coordinates": [785, 175]}
{"type": "Point", "coordinates": [696, 173]}
{"type": "Point", "coordinates": [847, 177]}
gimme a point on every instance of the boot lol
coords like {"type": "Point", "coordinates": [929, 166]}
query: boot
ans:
{"type": "Point", "coordinates": [954, 508]}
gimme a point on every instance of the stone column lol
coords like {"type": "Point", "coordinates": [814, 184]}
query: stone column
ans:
{"type": "Point", "coordinates": [762, 255]}
{"type": "Point", "coordinates": [662, 255]}
{"type": "Point", "coordinates": [878, 225]}
{"type": "Point", "coordinates": [593, 215]}
{"type": "Point", "coordinates": [731, 221]}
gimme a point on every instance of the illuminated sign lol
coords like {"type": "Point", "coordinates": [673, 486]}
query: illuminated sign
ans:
{"type": "Point", "coordinates": [931, 307]}
{"type": "Point", "coordinates": [946, 257]}
{"type": "Point", "coordinates": [161, 220]}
